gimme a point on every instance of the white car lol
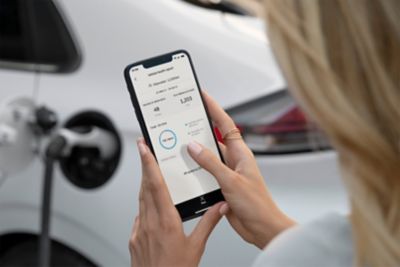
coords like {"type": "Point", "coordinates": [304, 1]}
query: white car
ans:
{"type": "Point", "coordinates": [81, 48]}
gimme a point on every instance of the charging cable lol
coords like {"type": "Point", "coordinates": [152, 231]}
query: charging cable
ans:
{"type": "Point", "coordinates": [61, 146]}
{"type": "Point", "coordinates": [53, 152]}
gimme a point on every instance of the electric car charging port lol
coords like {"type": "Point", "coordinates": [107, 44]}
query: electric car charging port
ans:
{"type": "Point", "coordinates": [84, 166]}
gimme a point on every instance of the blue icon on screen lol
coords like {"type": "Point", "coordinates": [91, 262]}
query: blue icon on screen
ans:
{"type": "Point", "coordinates": [167, 139]}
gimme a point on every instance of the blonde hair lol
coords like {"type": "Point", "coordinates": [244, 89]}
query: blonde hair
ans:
{"type": "Point", "coordinates": [341, 59]}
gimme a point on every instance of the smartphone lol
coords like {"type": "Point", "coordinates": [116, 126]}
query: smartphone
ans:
{"type": "Point", "coordinates": [166, 96]}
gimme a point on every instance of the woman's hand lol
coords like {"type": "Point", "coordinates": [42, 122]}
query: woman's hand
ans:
{"type": "Point", "coordinates": [250, 208]}
{"type": "Point", "coordinates": [158, 238]}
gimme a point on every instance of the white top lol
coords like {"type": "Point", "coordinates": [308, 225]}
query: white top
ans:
{"type": "Point", "coordinates": [325, 242]}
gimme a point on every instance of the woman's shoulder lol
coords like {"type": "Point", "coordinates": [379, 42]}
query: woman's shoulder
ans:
{"type": "Point", "coordinates": [323, 242]}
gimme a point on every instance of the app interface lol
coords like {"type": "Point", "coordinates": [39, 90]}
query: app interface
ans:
{"type": "Point", "coordinates": [174, 115]}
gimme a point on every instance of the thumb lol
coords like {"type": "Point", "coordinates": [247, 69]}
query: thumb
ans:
{"type": "Point", "coordinates": [207, 224]}
{"type": "Point", "coordinates": [149, 163]}
{"type": "Point", "coordinates": [210, 162]}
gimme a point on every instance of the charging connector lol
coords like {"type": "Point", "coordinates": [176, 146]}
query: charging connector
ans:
{"type": "Point", "coordinates": [84, 150]}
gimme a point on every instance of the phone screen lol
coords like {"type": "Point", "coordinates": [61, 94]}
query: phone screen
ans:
{"type": "Point", "coordinates": [174, 114]}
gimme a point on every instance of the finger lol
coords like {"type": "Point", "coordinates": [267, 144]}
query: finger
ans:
{"type": "Point", "coordinates": [221, 119]}
{"type": "Point", "coordinates": [225, 124]}
{"type": "Point", "coordinates": [207, 224]}
{"type": "Point", "coordinates": [134, 243]}
{"type": "Point", "coordinates": [142, 207]}
{"type": "Point", "coordinates": [151, 214]}
{"type": "Point", "coordinates": [222, 148]}
{"type": "Point", "coordinates": [210, 162]}
{"type": "Point", "coordinates": [137, 250]}
{"type": "Point", "coordinates": [226, 157]}
{"type": "Point", "coordinates": [153, 181]}
{"type": "Point", "coordinates": [148, 212]}
{"type": "Point", "coordinates": [218, 115]}
{"type": "Point", "coordinates": [149, 164]}
{"type": "Point", "coordinates": [224, 209]}
{"type": "Point", "coordinates": [135, 227]}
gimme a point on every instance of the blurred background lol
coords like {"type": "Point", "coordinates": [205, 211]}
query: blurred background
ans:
{"type": "Point", "coordinates": [61, 64]}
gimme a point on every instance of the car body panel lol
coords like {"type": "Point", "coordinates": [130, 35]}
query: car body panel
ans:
{"type": "Point", "coordinates": [242, 67]}
{"type": "Point", "coordinates": [16, 83]}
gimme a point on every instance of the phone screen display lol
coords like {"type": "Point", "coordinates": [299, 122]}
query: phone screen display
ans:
{"type": "Point", "coordinates": [174, 114]}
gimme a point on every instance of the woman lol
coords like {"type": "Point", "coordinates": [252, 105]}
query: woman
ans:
{"type": "Point", "coordinates": [341, 59]}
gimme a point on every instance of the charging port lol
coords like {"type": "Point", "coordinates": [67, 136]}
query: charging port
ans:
{"type": "Point", "coordinates": [84, 167]}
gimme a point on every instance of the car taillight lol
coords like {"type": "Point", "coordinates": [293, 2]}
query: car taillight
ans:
{"type": "Point", "coordinates": [275, 125]}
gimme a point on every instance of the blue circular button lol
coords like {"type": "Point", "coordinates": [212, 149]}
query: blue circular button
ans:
{"type": "Point", "coordinates": [167, 139]}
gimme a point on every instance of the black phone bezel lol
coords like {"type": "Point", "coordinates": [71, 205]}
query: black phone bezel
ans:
{"type": "Point", "coordinates": [196, 206]}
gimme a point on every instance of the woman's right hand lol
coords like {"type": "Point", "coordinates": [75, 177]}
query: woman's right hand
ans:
{"type": "Point", "coordinates": [250, 208]}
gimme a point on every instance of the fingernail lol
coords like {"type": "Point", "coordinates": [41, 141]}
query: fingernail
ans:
{"type": "Point", "coordinates": [194, 148]}
{"type": "Point", "coordinates": [224, 209]}
{"type": "Point", "coordinates": [142, 148]}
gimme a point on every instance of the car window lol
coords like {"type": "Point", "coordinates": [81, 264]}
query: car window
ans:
{"type": "Point", "coordinates": [32, 34]}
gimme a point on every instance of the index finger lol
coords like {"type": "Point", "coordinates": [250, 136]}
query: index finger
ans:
{"type": "Point", "coordinates": [225, 124]}
{"type": "Point", "coordinates": [218, 115]}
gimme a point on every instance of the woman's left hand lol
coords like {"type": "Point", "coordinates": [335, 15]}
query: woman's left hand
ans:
{"type": "Point", "coordinates": [158, 238]}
